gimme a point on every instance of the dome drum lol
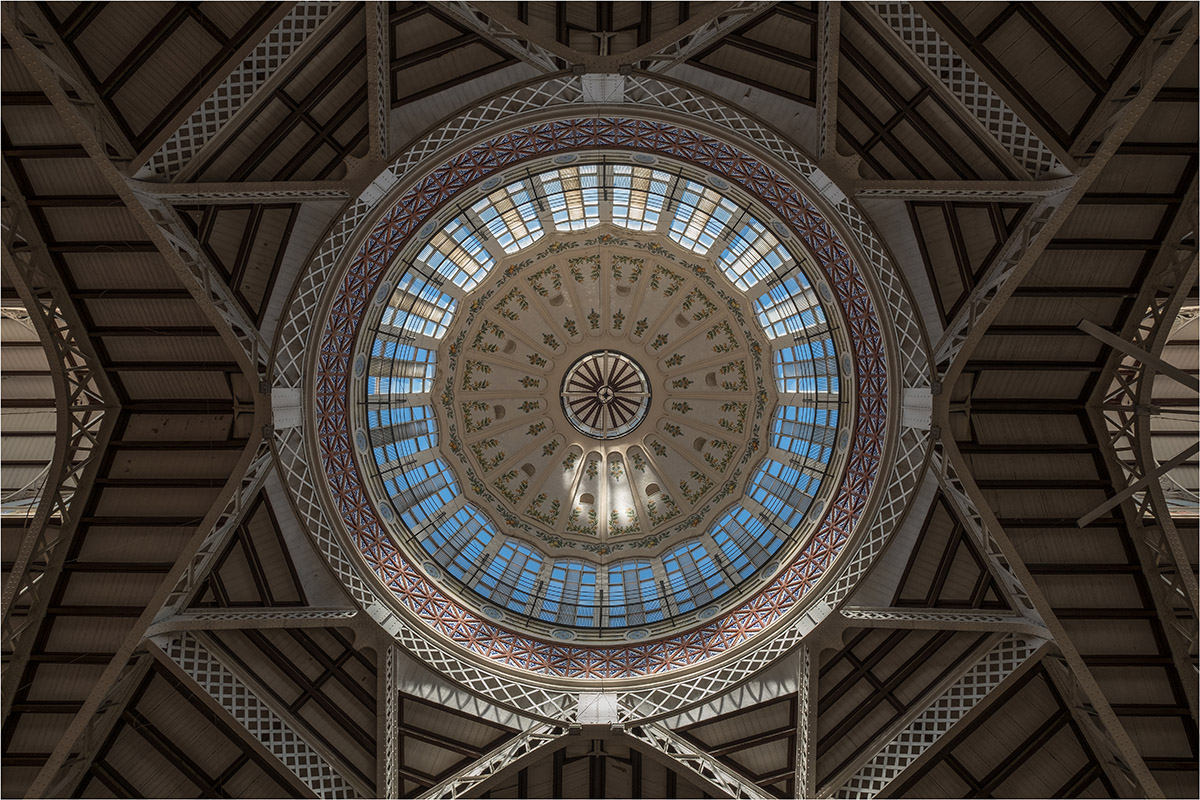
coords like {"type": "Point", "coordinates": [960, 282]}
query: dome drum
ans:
{"type": "Point", "coordinates": [447, 263]}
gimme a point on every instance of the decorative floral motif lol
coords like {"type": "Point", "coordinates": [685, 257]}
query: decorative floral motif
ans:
{"type": "Point", "coordinates": [469, 370]}
{"type": "Point", "coordinates": [706, 307]}
{"type": "Point", "coordinates": [504, 484]}
{"type": "Point", "coordinates": [618, 528]}
{"type": "Point", "coordinates": [582, 523]}
{"type": "Point", "coordinates": [660, 275]}
{"type": "Point", "coordinates": [538, 280]}
{"type": "Point", "coordinates": [481, 447]}
{"type": "Point", "coordinates": [728, 448]}
{"type": "Point", "coordinates": [695, 489]}
{"type": "Point", "coordinates": [570, 327]}
{"type": "Point", "coordinates": [618, 320]}
{"type": "Point", "coordinates": [470, 424]}
{"type": "Point", "coordinates": [668, 512]}
{"type": "Point", "coordinates": [592, 262]}
{"type": "Point", "coordinates": [739, 411]}
{"type": "Point", "coordinates": [738, 369]}
{"type": "Point", "coordinates": [726, 342]}
{"type": "Point", "coordinates": [619, 262]}
{"type": "Point", "coordinates": [514, 297]}
{"type": "Point", "coordinates": [548, 515]}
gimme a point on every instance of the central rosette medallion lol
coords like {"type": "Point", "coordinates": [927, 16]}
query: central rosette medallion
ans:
{"type": "Point", "coordinates": [605, 393]}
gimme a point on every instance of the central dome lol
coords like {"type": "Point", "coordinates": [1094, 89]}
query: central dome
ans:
{"type": "Point", "coordinates": [605, 394]}
{"type": "Point", "coordinates": [604, 399]}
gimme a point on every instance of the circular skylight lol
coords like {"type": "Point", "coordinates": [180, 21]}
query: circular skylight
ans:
{"type": "Point", "coordinates": [605, 394]}
{"type": "Point", "coordinates": [603, 397]}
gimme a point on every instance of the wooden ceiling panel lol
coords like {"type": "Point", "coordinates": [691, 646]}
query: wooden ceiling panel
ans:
{"type": "Point", "coordinates": [166, 722]}
{"type": "Point", "coordinates": [777, 52]}
{"type": "Point", "coordinates": [174, 349]}
{"type": "Point", "coordinates": [148, 61]}
{"type": "Point", "coordinates": [120, 544]}
{"type": "Point", "coordinates": [891, 671]}
{"type": "Point", "coordinates": [945, 569]}
{"type": "Point", "coordinates": [255, 567]}
{"type": "Point", "coordinates": [1047, 383]}
{"type": "Point", "coordinates": [1057, 60]}
{"type": "Point", "coordinates": [297, 668]}
{"type": "Point", "coordinates": [1026, 744]}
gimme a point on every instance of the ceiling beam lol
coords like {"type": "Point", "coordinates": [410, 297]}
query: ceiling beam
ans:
{"type": "Point", "coordinates": [86, 405]}
{"type": "Point", "coordinates": [1025, 247]}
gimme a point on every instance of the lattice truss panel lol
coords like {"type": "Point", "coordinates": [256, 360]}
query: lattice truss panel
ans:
{"type": "Point", "coordinates": [941, 715]}
{"type": "Point", "coordinates": [969, 87]}
{"type": "Point", "coordinates": [195, 659]}
{"type": "Point", "coordinates": [238, 88]}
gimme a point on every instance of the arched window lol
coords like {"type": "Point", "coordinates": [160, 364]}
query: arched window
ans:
{"type": "Point", "coordinates": [421, 490]}
{"type": "Point", "coordinates": [510, 215]}
{"type": "Point", "coordinates": [745, 540]}
{"type": "Point", "coordinates": [790, 308]}
{"type": "Point", "coordinates": [805, 431]}
{"type": "Point", "coordinates": [785, 491]}
{"type": "Point", "coordinates": [692, 576]}
{"type": "Point", "coordinates": [511, 576]}
{"type": "Point", "coordinates": [639, 196]}
{"type": "Point", "coordinates": [411, 369]}
{"type": "Point", "coordinates": [570, 594]}
{"type": "Point", "coordinates": [753, 255]}
{"type": "Point", "coordinates": [701, 217]}
{"type": "Point", "coordinates": [807, 367]}
{"type": "Point", "coordinates": [458, 541]}
{"type": "Point", "coordinates": [456, 252]}
{"type": "Point", "coordinates": [417, 306]}
{"type": "Point", "coordinates": [632, 595]}
{"type": "Point", "coordinates": [573, 194]}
